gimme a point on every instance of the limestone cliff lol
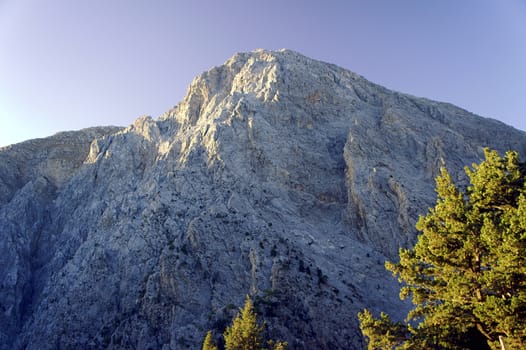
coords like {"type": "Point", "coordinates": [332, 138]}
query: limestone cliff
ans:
{"type": "Point", "coordinates": [277, 176]}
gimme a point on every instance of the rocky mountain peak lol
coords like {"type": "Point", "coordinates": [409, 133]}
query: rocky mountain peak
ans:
{"type": "Point", "coordinates": [277, 176]}
{"type": "Point", "coordinates": [262, 75]}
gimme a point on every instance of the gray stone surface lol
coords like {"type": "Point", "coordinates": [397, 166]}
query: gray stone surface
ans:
{"type": "Point", "coordinates": [32, 175]}
{"type": "Point", "coordinates": [277, 176]}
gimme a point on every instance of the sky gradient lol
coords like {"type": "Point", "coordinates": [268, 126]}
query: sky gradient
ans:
{"type": "Point", "coordinates": [66, 65]}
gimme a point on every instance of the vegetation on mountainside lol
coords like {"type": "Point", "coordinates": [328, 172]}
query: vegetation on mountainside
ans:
{"type": "Point", "coordinates": [466, 274]}
{"type": "Point", "coordinates": [209, 343]}
{"type": "Point", "coordinates": [245, 333]}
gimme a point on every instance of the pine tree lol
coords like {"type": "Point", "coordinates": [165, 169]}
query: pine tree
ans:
{"type": "Point", "coordinates": [244, 333]}
{"type": "Point", "coordinates": [466, 275]}
{"type": "Point", "coordinates": [382, 333]}
{"type": "Point", "coordinates": [277, 345]}
{"type": "Point", "coordinates": [209, 343]}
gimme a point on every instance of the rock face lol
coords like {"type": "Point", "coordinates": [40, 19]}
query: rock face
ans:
{"type": "Point", "coordinates": [32, 175]}
{"type": "Point", "coordinates": [277, 176]}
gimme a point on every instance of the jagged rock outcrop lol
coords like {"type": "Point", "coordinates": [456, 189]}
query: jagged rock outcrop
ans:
{"type": "Point", "coordinates": [278, 176]}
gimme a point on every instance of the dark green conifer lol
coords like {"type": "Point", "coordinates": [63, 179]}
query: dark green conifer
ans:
{"type": "Point", "coordinates": [466, 275]}
{"type": "Point", "coordinates": [245, 333]}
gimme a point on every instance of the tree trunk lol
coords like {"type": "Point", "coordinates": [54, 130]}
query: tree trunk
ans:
{"type": "Point", "coordinates": [502, 343]}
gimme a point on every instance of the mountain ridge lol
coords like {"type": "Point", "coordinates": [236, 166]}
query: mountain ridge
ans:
{"type": "Point", "coordinates": [277, 176]}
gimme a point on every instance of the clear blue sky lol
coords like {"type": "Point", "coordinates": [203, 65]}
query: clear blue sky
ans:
{"type": "Point", "coordinates": [70, 64]}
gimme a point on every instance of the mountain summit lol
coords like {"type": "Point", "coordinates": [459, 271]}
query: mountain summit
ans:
{"type": "Point", "coordinates": [278, 176]}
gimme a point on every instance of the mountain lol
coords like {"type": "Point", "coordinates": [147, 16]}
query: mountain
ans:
{"type": "Point", "coordinates": [278, 176]}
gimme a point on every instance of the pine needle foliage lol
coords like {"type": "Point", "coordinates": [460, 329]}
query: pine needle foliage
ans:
{"type": "Point", "coordinates": [382, 333]}
{"type": "Point", "coordinates": [209, 343]}
{"type": "Point", "coordinates": [466, 275]}
{"type": "Point", "coordinates": [245, 333]}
